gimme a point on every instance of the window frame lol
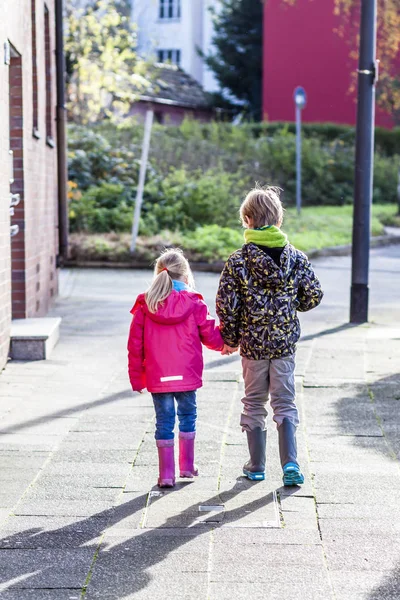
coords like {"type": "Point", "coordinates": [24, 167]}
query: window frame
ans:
{"type": "Point", "coordinates": [35, 94]}
{"type": "Point", "coordinates": [48, 78]}
{"type": "Point", "coordinates": [169, 55]}
{"type": "Point", "coordinates": [169, 10]}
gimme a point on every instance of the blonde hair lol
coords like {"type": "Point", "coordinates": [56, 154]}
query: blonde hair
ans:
{"type": "Point", "coordinates": [263, 206]}
{"type": "Point", "coordinates": [170, 265]}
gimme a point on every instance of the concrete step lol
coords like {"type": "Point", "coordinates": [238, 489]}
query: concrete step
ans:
{"type": "Point", "coordinates": [34, 339]}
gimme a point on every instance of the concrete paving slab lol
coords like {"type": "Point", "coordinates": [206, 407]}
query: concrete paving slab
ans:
{"type": "Point", "coordinates": [81, 480]}
{"type": "Point", "coordinates": [108, 440]}
{"type": "Point", "coordinates": [372, 556]}
{"type": "Point", "coordinates": [32, 443]}
{"type": "Point", "coordinates": [87, 469]}
{"type": "Point", "coordinates": [231, 563]}
{"type": "Point", "coordinates": [181, 511]}
{"type": "Point", "coordinates": [379, 585]}
{"type": "Point", "coordinates": [357, 497]}
{"type": "Point", "coordinates": [44, 524]}
{"type": "Point", "coordinates": [310, 585]}
{"type": "Point", "coordinates": [4, 512]}
{"type": "Point", "coordinates": [45, 568]}
{"type": "Point", "coordinates": [356, 511]}
{"type": "Point", "coordinates": [265, 536]}
{"type": "Point", "coordinates": [37, 594]}
{"type": "Point", "coordinates": [96, 455]}
{"type": "Point", "coordinates": [74, 508]}
{"type": "Point", "coordinates": [64, 495]}
{"type": "Point", "coordinates": [124, 424]}
{"type": "Point", "coordinates": [380, 525]}
{"type": "Point", "coordinates": [299, 513]}
{"type": "Point", "coordinates": [351, 481]}
{"type": "Point", "coordinates": [139, 566]}
{"type": "Point", "coordinates": [39, 426]}
{"type": "Point", "coordinates": [47, 540]}
{"type": "Point", "coordinates": [130, 586]}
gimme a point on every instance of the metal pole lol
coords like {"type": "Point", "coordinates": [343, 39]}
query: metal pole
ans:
{"type": "Point", "coordinates": [364, 164]}
{"type": "Point", "coordinates": [298, 159]}
{"type": "Point", "coordinates": [61, 136]}
{"type": "Point", "coordinates": [142, 177]}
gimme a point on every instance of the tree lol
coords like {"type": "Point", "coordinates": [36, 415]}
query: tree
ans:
{"type": "Point", "coordinates": [104, 75]}
{"type": "Point", "coordinates": [237, 59]}
{"type": "Point", "coordinates": [388, 50]}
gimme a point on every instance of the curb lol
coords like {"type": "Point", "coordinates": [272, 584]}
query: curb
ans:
{"type": "Point", "coordinates": [376, 242]}
{"type": "Point", "coordinates": [217, 266]}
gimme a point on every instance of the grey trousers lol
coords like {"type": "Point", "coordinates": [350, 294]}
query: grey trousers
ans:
{"type": "Point", "coordinates": [274, 377]}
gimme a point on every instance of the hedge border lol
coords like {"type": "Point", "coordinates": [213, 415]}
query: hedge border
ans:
{"type": "Point", "coordinates": [217, 266]}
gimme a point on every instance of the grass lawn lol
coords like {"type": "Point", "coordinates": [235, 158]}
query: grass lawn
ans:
{"type": "Point", "coordinates": [316, 228]}
{"type": "Point", "coordinates": [324, 226]}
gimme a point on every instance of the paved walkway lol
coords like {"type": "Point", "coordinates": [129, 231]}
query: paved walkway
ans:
{"type": "Point", "coordinates": [80, 516]}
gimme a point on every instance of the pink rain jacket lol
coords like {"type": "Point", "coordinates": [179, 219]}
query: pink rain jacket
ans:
{"type": "Point", "coordinates": [164, 348]}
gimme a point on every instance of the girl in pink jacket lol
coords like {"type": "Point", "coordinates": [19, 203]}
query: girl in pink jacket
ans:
{"type": "Point", "coordinates": [170, 323]}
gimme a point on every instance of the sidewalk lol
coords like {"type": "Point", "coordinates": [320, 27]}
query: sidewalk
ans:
{"type": "Point", "coordinates": [80, 516]}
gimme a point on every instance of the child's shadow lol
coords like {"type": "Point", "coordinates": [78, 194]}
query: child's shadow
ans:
{"type": "Point", "coordinates": [120, 569]}
{"type": "Point", "coordinates": [123, 569]}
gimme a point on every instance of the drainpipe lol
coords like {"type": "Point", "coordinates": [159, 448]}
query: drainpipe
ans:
{"type": "Point", "coordinates": [61, 137]}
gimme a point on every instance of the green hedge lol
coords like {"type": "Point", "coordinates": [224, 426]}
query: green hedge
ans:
{"type": "Point", "coordinates": [387, 141]}
{"type": "Point", "coordinates": [107, 207]}
{"type": "Point", "coordinates": [199, 173]}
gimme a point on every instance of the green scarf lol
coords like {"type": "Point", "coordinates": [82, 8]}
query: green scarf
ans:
{"type": "Point", "coordinates": [270, 236]}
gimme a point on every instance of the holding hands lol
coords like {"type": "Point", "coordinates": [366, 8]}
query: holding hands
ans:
{"type": "Point", "coordinates": [228, 350]}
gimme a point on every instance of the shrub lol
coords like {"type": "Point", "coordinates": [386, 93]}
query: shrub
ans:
{"type": "Point", "coordinates": [93, 159]}
{"type": "Point", "coordinates": [212, 242]}
{"type": "Point", "coordinates": [101, 209]}
{"type": "Point", "coordinates": [198, 172]}
{"type": "Point", "coordinates": [183, 201]}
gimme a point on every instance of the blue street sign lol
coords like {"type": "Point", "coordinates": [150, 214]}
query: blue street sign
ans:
{"type": "Point", "coordinates": [300, 97]}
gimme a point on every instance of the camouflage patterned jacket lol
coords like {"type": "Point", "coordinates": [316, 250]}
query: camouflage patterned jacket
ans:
{"type": "Point", "coordinates": [257, 300]}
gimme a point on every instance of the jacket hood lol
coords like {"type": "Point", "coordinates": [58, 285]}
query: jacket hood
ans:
{"type": "Point", "coordinates": [263, 268]}
{"type": "Point", "coordinates": [176, 308]}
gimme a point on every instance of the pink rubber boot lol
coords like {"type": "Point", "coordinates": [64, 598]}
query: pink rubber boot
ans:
{"type": "Point", "coordinates": [187, 467]}
{"type": "Point", "coordinates": [166, 463]}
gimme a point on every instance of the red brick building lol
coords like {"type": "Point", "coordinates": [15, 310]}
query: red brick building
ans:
{"type": "Point", "coordinates": [302, 47]}
{"type": "Point", "coordinates": [28, 163]}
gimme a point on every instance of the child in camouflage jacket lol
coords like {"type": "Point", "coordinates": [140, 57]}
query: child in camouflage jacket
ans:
{"type": "Point", "coordinates": [262, 287]}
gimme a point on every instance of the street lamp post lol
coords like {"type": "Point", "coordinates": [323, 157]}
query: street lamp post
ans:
{"type": "Point", "coordinates": [367, 75]}
{"type": "Point", "coordinates": [300, 100]}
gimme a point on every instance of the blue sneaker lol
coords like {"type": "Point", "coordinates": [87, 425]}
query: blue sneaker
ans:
{"type": "Point", "coordinates": [292, 474]}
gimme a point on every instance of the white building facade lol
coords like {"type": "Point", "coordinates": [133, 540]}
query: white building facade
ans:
{"type": "Point", "coordinates": [174, 30]}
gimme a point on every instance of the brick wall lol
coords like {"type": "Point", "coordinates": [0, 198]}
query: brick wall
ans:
{"type": "Point", "coordinates": [34, 277]}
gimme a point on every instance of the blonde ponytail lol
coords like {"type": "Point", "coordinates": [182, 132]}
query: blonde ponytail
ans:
{"type": "Point", "coordinates": [159, 290]}
{"type": "Point", "coordinates": [171, 265]}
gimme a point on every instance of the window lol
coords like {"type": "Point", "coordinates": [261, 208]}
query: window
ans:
{"type": "Point", "coordinates": [49, 101]}
{"type": "Point", "coordinates": [35, 124]}
{"type": "Point", "coordinates": [172, 56]}
{"type": "Point", "coordinates": [170, 9]}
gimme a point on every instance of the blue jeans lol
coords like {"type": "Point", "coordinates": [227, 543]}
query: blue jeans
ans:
{"type": "Point", "coordinates": [164, 405]}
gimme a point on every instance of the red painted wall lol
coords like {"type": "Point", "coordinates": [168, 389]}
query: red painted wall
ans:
{"type": "Point", "coordinates": [301, 47]}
